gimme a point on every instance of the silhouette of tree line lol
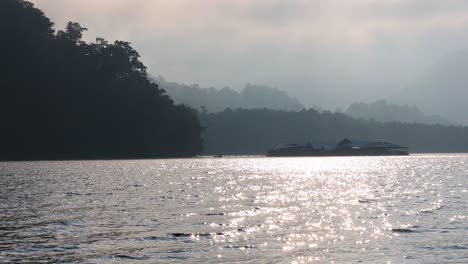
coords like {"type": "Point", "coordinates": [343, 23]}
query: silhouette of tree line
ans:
{"type": "Point", "coordinates": [254, 131]}
{"type": "Point", "coordinates": [63, 98]}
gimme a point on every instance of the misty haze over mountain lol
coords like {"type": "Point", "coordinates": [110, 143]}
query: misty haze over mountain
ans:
{"type": "Point", "coordinates": [325, 53]}
{"type": "Point", "coordinates": [444, 87]}
{"type": "Point", "coordinates": [383, 111]}
{"type": "Point", "coordinates": [217, 100]}
{"type": "Point", "coordinates": [261, 96]}
{"type": "Point", "coordinates": [97, 100]}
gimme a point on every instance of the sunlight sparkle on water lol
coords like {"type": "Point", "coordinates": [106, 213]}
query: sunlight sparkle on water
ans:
{"type": "Point", "coordinates": [291, 210]}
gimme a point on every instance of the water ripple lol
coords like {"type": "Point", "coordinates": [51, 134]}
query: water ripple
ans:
{"type": "Point", "coordinates": [272, 210]}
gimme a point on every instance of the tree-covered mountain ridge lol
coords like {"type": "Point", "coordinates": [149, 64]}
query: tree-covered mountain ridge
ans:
{"type": "Point", "coordinates": [64, 98]}
{"type": "Point", "coordinates": [216, 100]}
{"type": "Point", "coordinates": [261, 96]}
{"type": "Point", "coordinates": [254, 131]}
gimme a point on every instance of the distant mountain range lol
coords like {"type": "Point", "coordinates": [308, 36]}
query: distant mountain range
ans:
{"type": "Point", "coordinates": [212, 100]}
{"type": "Point", "coordinates": [383, 111]}
{"type": "Point", "coordinates": [216, 100]}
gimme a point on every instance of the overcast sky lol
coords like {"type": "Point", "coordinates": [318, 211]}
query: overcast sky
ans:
{"type": "Point", "coordinates": [325, 52]}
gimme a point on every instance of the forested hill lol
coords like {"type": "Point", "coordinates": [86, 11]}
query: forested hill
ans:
{"type": "Point", "coordinates": [254, 131]}
{"type": "Point", "coordinates": [62, 98]}
{"type": "Point", "coordinates": [215, 100]}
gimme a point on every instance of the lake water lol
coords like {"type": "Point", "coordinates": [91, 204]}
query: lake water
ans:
{"type": "Point", "coordinates": [410, 209]}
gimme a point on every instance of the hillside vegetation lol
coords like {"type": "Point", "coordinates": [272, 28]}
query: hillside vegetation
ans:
{"type": "Point", "coordinates": [243, 131]}
{"type": "Point", "coordinates": [63, 98]}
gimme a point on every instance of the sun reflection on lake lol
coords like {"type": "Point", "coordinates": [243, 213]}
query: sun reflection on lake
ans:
{"type": "Point", "coordinates": [288, 210]}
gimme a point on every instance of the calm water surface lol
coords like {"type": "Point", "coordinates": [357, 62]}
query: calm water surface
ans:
{"type": "Point", "coordinates": [245, 210]}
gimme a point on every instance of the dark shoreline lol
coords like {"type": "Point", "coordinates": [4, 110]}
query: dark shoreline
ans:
{"type": "Point", "coordinates": [97, 159]}
{"type": "Point", "coordinates": [224, 156]}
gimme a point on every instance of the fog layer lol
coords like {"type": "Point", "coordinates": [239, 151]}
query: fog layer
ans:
{"type": "Point", "coordinates": [327, 53]}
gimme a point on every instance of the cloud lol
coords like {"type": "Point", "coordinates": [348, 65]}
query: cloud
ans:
{"type": "Point", "coordinates": [326, 21]}
{"type": "Point", "coordinates": [324, 51]}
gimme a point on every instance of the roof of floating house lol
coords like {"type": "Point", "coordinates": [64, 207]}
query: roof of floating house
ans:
{"type": "Point", "coordinates": [382, 145]}
{"type": "Point", "coordinates": [285, 145]}
{"type": "Point", "coordinates": [344, 142]}
{"type": "Point", "coordinates": [344, 148]}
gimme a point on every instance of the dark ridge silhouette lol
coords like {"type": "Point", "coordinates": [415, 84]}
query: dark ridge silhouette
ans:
{"type": "Point", "coordinates": [255, 131]}
{"type": "Point", "coordinates": [215, 100]}
{"type": "Point", "coordinates": [63, 98]}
